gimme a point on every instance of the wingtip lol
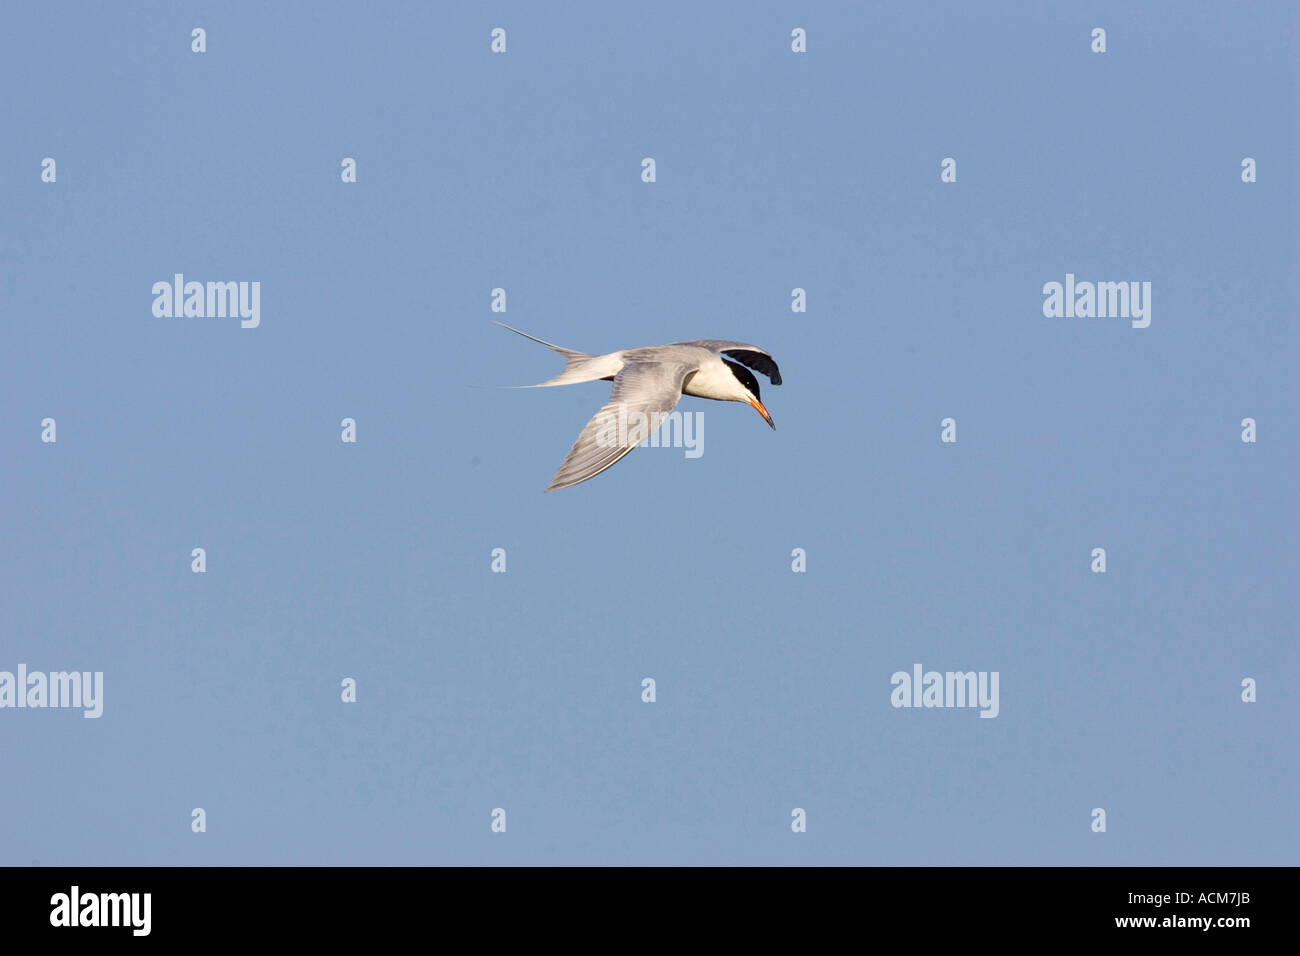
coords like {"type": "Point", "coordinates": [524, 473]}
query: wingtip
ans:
{"type": "Point", "coordinates": [559, 484]}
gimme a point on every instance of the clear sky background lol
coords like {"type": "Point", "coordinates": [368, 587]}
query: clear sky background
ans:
{"type": "Point", "coordinates": [522, 690]}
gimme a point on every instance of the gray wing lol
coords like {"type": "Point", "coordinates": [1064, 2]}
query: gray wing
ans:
{"type": "Point", "coordinates": [751, 356]}
{"type": "Point", "coordinates": [643, 394]}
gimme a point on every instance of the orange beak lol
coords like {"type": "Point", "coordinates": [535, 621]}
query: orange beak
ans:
{"type": "Point", "coordinates": [758, 407]}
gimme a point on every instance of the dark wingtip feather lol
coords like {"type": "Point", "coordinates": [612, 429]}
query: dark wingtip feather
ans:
{"type": "Point", "coordinates": [758, 361]}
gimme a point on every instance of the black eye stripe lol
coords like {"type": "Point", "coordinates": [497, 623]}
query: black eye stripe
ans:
{"type": "Point", "coordinates": [745, 376]}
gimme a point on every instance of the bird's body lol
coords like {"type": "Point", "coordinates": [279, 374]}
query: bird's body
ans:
{"type": "Point", "coordinates": [648, 383]}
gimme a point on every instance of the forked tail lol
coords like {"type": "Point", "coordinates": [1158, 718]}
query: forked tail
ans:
{"type": "Point", "coordinates": [578, 366]}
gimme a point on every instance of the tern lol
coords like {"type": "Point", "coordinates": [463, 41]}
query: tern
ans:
{"type": "Point", "coordinates": [648, 384]}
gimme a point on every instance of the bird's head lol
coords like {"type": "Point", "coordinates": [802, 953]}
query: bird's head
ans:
{"type": "Point", "coordinates": [747, 390]}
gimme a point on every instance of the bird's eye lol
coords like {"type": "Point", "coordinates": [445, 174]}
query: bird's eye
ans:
{"type": "Point", "coordinates": [744, 376]}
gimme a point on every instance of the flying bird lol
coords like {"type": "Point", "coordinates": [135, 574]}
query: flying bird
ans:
{"type": "Point", "coordinates": [648, 384]}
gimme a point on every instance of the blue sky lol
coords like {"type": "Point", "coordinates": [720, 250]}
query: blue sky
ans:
{"type": "Point", "coordinates": [522, 690]}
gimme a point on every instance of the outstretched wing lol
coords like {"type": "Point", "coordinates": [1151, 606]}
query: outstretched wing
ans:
{"type": "Point", "coordinates": [643, 395]}
{"type": "Point", "coordinates": [750, 356]}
